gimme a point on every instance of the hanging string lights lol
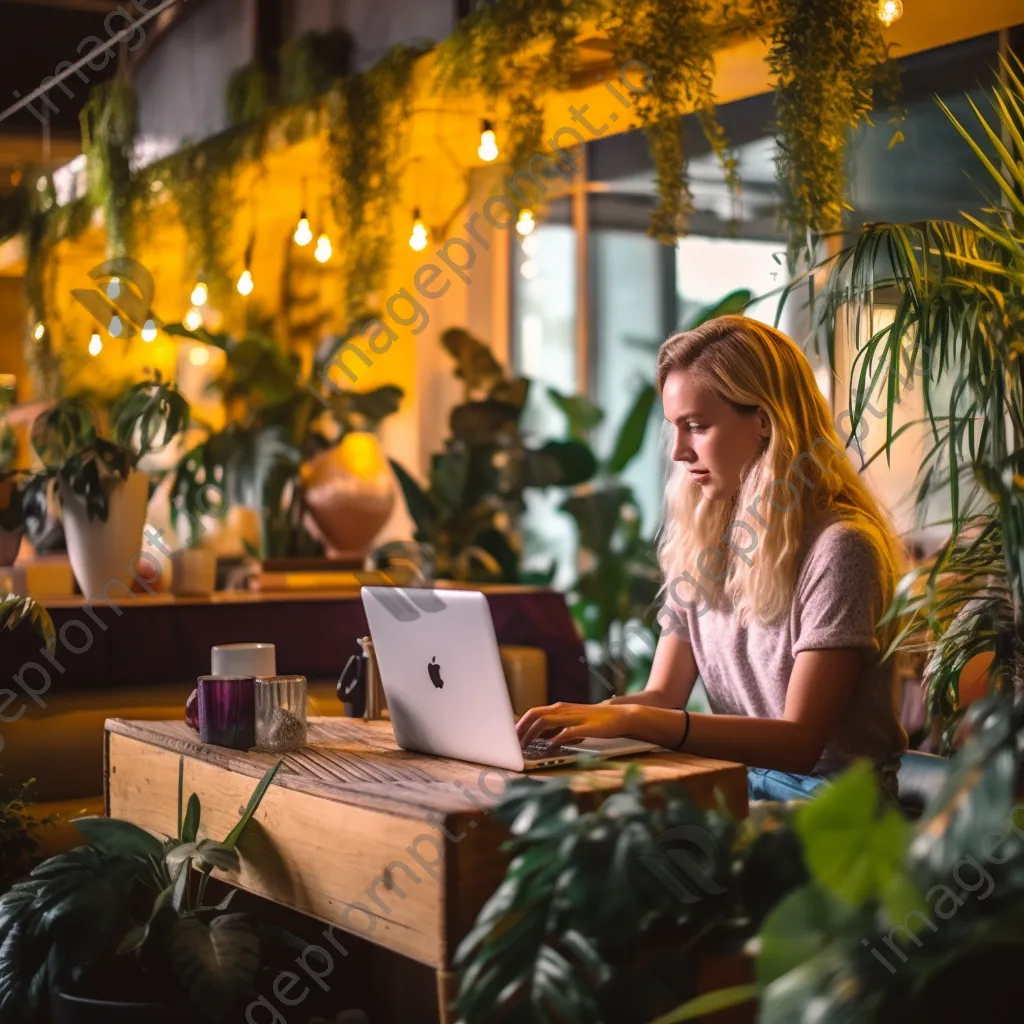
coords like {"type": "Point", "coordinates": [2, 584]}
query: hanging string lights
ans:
{"type": "Point", "coordinates": [488, 148]}
{"type": "Point", "coordinates": [418, 239]}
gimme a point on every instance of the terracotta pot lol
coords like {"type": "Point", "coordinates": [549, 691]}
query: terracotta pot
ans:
{"type": "Point", "coordinates": [194, 573]}
{"type": "Point", "coordinates": [10, 542]}
{"type": "Point", "coordinates": [101, 552]}
{"type": "Point", "coordinates": [349, 492]}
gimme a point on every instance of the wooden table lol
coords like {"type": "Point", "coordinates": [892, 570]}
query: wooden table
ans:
{"type": "Point", "coordinates": [395, 847]}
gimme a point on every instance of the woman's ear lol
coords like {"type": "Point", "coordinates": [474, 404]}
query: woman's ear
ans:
{"type": "Point", "coordinates": [766, 424]}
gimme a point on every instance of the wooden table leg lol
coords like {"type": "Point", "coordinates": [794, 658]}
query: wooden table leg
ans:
{"type": "Point", "coordinates": [446, 991]}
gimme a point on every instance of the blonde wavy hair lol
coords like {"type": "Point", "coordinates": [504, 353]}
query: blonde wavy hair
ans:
{"type": "Point", "coordinates": [802, 473]}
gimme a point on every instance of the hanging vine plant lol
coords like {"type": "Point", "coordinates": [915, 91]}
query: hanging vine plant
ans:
{"type": "Point", "coordinates": [668, 47]}
{"type": "Point", "coordinates": [366, 115]}
{"type": "Point", "coordinates": [826, 57]}
{"type": "Point", "coordinates": [109, 121]}
{"type": "Point", "coordinates": [515, 52]}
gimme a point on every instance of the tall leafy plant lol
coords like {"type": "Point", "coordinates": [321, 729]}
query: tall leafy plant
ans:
{"type": "Point", "coordinates": [958, 292]}
{"type": "Point", "coordinates": [277, 419]}
{"type": "Point", "coordinates": [467, 520]}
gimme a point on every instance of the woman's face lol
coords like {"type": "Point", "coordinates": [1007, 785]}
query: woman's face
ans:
{"type": "Point", "coordinates": [713, 440]}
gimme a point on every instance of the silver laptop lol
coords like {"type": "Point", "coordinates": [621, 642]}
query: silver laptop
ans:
{"type": "Point", "coordinates": [445, 687]}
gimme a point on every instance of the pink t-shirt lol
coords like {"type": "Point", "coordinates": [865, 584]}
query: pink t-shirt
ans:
{"type": "Point", "coordinates": [837, 603]}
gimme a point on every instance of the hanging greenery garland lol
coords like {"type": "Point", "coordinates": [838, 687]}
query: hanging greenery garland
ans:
{"type": "Point", "coordinates": [109, 121]}
{"type": "Point", "coordinates": [515, 52]}
{"type": "Point", "coordinates": [826, 58]}
{"type": "Point", "coordinates": [366, 115]}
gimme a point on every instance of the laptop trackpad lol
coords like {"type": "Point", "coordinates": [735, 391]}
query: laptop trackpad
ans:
{"type": "Point", "coordinates": [618, 745]}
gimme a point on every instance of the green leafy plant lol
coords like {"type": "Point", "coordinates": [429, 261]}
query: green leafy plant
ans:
{"type": "Point", "coordinates": [109, 123]}
{"type": "Point", "coordinates": [144, 419]}
{"type": "Point", "coordinates": [957, 294]}
{"type": "Point", "coordinates": [131, 909]}
{"type": "Point", "coordinates": [276, 421]}
{"type": "Point", "coordinates": [467, 521]}
{"type": "Point", "coordinates": [19, 834]}
{"type": "Point", "coordinates": [312, 62]}
{"type": "Point", "coordinates": [826, 57]}
{"type": "Point", "coordinates": [594, 920]}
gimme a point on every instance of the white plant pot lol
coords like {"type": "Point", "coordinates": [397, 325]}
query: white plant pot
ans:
{"type": "Point", "coordinates": [101, 552]}
{"type": "Point", "coordinates": [194, 573]}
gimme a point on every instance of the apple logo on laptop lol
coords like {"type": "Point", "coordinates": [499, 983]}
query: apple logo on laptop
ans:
{"type": "Point", "coordinates": [434, 671]}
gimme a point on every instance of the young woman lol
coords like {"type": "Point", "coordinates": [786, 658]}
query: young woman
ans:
{"type": "Point", "coordinates": [778, 565]}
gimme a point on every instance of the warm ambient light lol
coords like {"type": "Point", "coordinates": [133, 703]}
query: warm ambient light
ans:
{"type": "Point", "coordinates": [418, 238]}
{"type": "Point", "coordinates": [303, 233]}
{"type": "Point", "coordinates": [39, 331]}
{"type": "Point", "coordinates": [324, 249]}
{"type": "Point", "coordinates": [245, 285]}
{"type": "Point", "coordinates": [200, 294]}
{"type": "Point", "coordinates": [199, 356]}
{"type": "Point", "coordinates": [526, 223]}
{"type": "Point", "coordinates": [530, 244]}
{"type": "Point", "coordinates": [889, 11]}
{"type": "Point", "coordinates": [95, 345]}
{"type": "Point", "coordinates": [148, 332]}
{"type": "Point", "coordinates": [488, 148]}
{"type": "Point", "coordinates": [193, 319]}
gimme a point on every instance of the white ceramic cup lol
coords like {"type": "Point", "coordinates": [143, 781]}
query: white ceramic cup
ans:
{"type": "Point", "coordinates": [243, 660]}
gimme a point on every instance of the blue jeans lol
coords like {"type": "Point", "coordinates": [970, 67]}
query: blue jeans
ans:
{"type": "Point", "coordinates": [768, 784]}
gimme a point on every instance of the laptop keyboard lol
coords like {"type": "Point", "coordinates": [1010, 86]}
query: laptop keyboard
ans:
{"type": "Point", "coordinates": [537, 749]}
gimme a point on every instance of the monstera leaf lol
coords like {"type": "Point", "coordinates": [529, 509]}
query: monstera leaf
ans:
{"type": "Point", "coordinates": [474, 362]}
{"type": "Point", "coordinates": [559, 464]}
{"type": "Point", "coordinates": [581, 414]}
{"type": "Point", "coordinates": [485, 423]}
{"type": "Point", "coordinates": [597, 515]}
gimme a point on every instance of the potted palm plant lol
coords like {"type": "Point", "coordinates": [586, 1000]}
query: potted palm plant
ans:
{"type": "Point", "coordinates": [958, 293]}
{"type": "Point", "coordinates": [102, 492]}
{"type": "Point", "coordinates": [120, 929]}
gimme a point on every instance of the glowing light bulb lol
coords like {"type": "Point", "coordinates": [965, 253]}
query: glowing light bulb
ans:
{"type": "Point", "coordinates": [324, 249]}
{"type": "Point", "coordinates": [148, 332]}
{"type": "Point", "coordinates": [530, 244]}
{"type": "Point", "coordinates": [200, 294]}
{"type": "Point", "coordinates": [116, 327]}
{"type": "Point", "coordinates": [199, 356]}
{"type": "Point", "coordinates": [245, 284]}
{"type": "Point", "coordinates": [528, 270]}
{"type": "Point", "coordinates": [418, 239]}
{"type": "Point", "coordinates": [525, 224]}
{"type": "Point", "coordinates": [193, 319]}
{"type": "Point", "coordinates": [113, 288]}
{"type": "Point", "coordinates": [39, 331]}
{"type": "Point", "coordinates": [95, 345]}
{"type": "Point", "coordinates": [488, 148]}
{"type": "Point", "coordinates": [303, 233]}
{"type": "Point", "coordinates": [889, 11]}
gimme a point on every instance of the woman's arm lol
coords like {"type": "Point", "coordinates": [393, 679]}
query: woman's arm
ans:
{"type": "Point", "coordinates": [820, 687]}
{"type": "Point", "coordinates": [673, 673]}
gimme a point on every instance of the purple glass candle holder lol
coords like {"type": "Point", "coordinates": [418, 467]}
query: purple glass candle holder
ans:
{"type": "Point", "coordinates": [222, 709]}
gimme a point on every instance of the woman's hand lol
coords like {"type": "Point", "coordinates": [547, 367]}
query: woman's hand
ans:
{"type": "Point", "coordinates": [575, 722]}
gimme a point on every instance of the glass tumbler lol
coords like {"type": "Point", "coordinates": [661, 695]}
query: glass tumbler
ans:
{"type": "Point", "coordinates": [280, 713]}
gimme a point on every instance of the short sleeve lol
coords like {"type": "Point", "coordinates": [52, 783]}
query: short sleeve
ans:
{"type": "Point", "coordinates": [839, 592]}
{"type": "Point", "coordinates": [671, 618]}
